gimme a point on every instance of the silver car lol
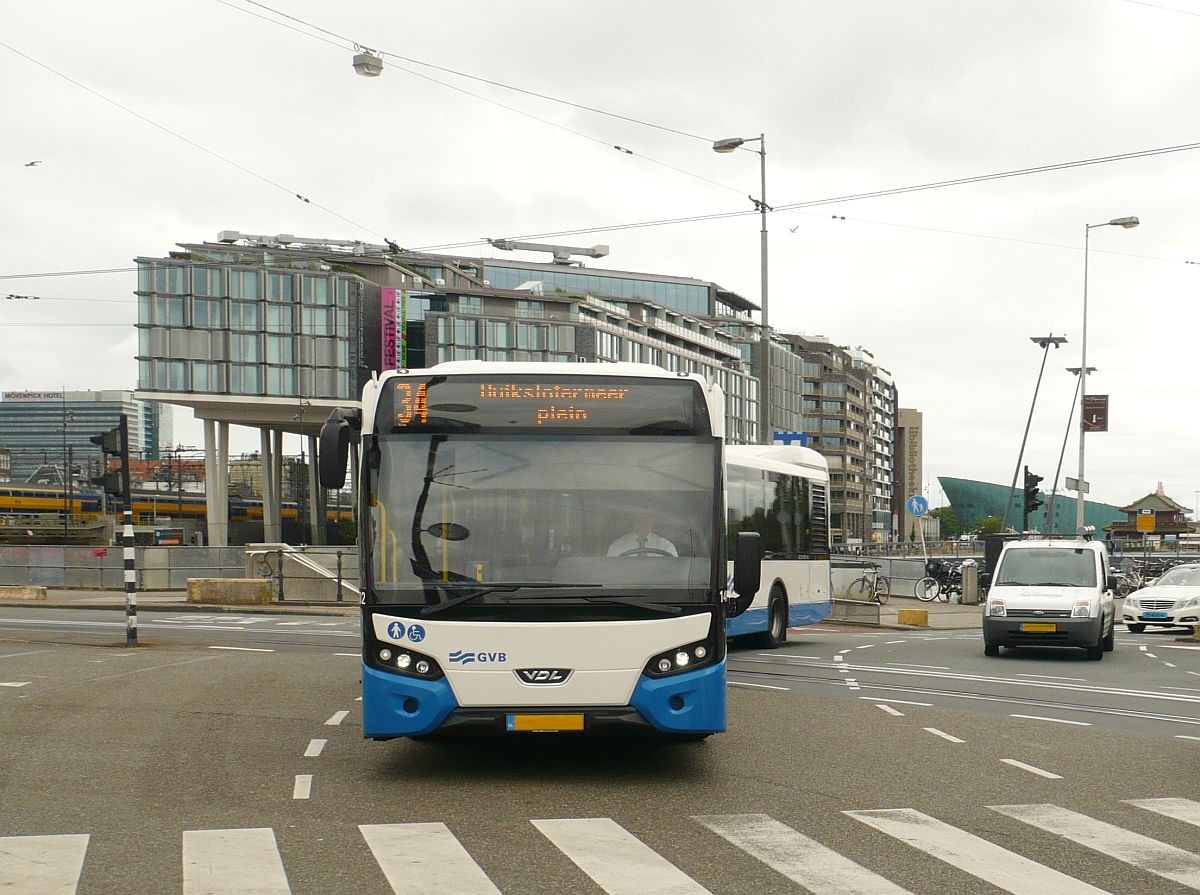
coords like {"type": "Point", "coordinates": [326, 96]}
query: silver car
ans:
{"type": "Point", "coordinates": [1171, 600]}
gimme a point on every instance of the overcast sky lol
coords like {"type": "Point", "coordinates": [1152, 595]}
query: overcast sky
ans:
{"type": "Point", "coordinates": [944, 286]}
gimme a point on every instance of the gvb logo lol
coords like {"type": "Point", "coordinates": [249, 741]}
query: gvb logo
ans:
{"type": "Point", "coordinates": [464, 657]}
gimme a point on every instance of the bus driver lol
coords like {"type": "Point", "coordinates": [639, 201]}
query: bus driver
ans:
{"type": "Point", "coordinates": [642, 541]}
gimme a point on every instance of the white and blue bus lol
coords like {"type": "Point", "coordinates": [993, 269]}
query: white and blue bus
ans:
{"type": "Point", "coordinates": [500, 590]}
{"type": "Point", "coordinates": [782, 493]}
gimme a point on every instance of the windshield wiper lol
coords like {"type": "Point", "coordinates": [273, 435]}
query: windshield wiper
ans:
{"type": "Point", "coordinates": [484, 591]}
{"type": "Point", "coordinates": [627, 599]}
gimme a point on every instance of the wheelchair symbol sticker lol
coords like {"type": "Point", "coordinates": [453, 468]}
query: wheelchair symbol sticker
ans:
{"type": "Point", "coordinates": [416, 633]}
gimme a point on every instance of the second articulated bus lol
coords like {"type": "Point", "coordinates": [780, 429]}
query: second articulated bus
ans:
{"type": "Point", "coordinates": [782, 493]}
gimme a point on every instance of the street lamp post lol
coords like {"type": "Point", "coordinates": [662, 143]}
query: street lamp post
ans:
{"type": "Point", "coordinates": [1127, 223]}
{"type": "Point", "coordinates": [1063, 453]}
{"type": "Point", "coordinates": [729, 144]}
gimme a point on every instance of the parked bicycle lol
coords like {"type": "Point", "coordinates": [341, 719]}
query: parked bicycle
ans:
{"type": "Point", "coordinates": [870, 587]}
{"type": "Point", "coordinates": [940, 582]}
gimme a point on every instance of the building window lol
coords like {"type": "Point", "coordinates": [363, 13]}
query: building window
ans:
{"type": "Point", "coordinates": [244, 315]}
{"type": "Point", "coordinates": [208, 313]}
{"type": "Point", "coordinates": [208, 377]}
{"type": "Point", "coordinates": [279, 350]}
{"type": "Point", "coordinates": [244, 347]}
{"type": "Point", "coordinates": [281, 381]}
{"type": "Point", "coordinates": [280, 287]}
{"type": "Point", "coordinates": [279, 318]}
{"type": "Point", "coordinates": [208, 281]}
{"type": "Point", "coordinates": [314, 290]}
{"type": "Point", "coordinates": [470, 304]}
{"type": "Point", "coordinates": [243, 284]}
{"type": "Point", "coordinates": [244, 379]}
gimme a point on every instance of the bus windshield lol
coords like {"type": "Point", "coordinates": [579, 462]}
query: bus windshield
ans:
{"type": "Point", "coordinates": [518, 518]}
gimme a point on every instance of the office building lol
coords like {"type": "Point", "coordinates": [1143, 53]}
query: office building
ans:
{"type": "Point", "coordinates": [43, 428]}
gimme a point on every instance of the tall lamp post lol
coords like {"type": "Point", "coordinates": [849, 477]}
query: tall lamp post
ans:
{"type": "Point", "coordinates": [1127, 223]}
{"type": "Point", "coordinates": [729, 144]}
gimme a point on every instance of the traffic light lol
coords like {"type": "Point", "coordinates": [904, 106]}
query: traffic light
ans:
{"type": "Point", "coordinates": [1032, 501]}
{"type": "Point", "coordinates": [114, 443]}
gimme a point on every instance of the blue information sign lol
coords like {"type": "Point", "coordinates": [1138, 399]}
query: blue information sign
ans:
{"type": "Point", "coordinates": [917, 505]}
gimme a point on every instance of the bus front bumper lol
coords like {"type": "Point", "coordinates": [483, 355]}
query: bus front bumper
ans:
{"type": "Point", "coordinates": [401, 706]}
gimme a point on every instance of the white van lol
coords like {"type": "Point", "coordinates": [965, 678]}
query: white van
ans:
{"type": "Point", "coordinates": [1051, 593]}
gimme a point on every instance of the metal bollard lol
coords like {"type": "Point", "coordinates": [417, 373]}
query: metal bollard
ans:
{"type": "Point", "coordinates": [970, 582]}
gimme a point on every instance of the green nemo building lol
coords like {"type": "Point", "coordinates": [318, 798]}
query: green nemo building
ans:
{"type": "Point", "coordinates": [973, 501]}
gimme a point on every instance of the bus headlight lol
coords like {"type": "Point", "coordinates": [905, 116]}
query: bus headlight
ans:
{"type": "Point", "coordinates": [407, 662]}
{"type": "Point", "coordinates": [681, 658]}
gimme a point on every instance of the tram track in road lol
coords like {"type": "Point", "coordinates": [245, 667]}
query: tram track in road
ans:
{"type": "Point", "coordinates": [840, 683]}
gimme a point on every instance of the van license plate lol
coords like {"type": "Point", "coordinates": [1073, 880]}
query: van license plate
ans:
{"type": "Point", "coordinates": [1155, 615]}
{"type": "Point", "coordinates": [1039, 627]}
{"type": "Point", "coordinates": [545, 723]}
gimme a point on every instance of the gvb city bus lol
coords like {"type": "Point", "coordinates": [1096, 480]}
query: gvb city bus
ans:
{"type": "Point", "coordinates": [542, 548]}
{"type": "Point", "coordinates": [782, 493]}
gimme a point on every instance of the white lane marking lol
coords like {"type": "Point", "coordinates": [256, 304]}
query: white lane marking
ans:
{"type": "Point", "coordinates": [1055, 720]}
{"type": "Point", "coordinates": [1175, 646]}
{"type": "Point", "coordinates": [34, 652]}
{"type": "Point", "coordinates": [943, 735]}
{"type": "Point", "coordinates": [1143, 647]}
{"type": "Point", "coordinates": [800, 859]}
{"type": "Point", "coordinates": [337, 718]}
{"type": "Point", "coordinates": [232, 862]}
{"type": "Point", "coordinates": [758, 686]}
{"type": "Point", "coordinates": [617, 862]}
{"type": "Point", "coordinates": [1031, 769]}
{"type": "Point", "coordinates": [244, 649]}
{"type": "Point", "coordinates": [1189, 689]}
{"type": "Point", "coordinates": [1002, 868]}
{"type": "Point", "coordinates": [912, 665]}
{"type": "Point", "coordinates": [355, 655]}
{"type": "Point", "coordinates": [843, 652]}
{"type": "Point", "coordinates": [314, 748]}
{"type": "Point", "coordinates": [15, 683]}
{"type": "Point", "coordinates": [1151, 656]}
{"type": "Point", "coordinates": [786, 656]}
{"type": "Point", "coordinates": [1170, 665]}
{"type": "Point", "coordinates": [302, 788]}
{"type": "Point", "coordinates": [1112, 841]}
{"type": "Point", "coordinates": [1180, 809]}
{"type": "Point", "coordinates": [890, 642]}
{"type": "Point", "coordinates": [896, 701]}
{"type": "Point", "coordinates": [419, 858]}
{"type": "Point", "coordinates": [866, 646]}
{"type": "Point", "coordinates": [290, 624]}
{"type": "Point", "coordinates": [1055, 677]}
{"type": "Point", "coordinates": [41, 865]}
{"type": "Point", "coordinates": [1003, 681]}
{"type": "Point", "coordinates": [837, 658]}
{"type": "Point", "coordinates": [1183, 736]}
{"type": "Point", "coordinates": [891, 711]}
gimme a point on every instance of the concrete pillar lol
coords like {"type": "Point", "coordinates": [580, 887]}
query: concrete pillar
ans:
{"type": "Point", "coordinates": [277, 454]}
{"type": "Point", "coordinates": [221, 528]}
{"type": "Point", "coordinates": [316, 510]}
{"type": "Point", "coordinates": [270, 500]}
{"type": "Point", "coordinates": [211, 494]}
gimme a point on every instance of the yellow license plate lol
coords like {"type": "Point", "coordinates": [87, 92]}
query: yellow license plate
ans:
{"type": "Point", "coordinates": [1039, 627]}
{"type": "Point", "coordinates": [572, 721]}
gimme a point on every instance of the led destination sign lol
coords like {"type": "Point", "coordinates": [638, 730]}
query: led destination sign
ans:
{"type": "Point", "coordinates": [472, 404]}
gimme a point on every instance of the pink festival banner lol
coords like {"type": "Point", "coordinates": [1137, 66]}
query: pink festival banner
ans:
{"type": "Point", "coordinates": [387, 330]}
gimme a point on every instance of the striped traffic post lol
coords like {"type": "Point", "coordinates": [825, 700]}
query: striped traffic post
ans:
{"type": "Point", "coordinates": [130, 583]}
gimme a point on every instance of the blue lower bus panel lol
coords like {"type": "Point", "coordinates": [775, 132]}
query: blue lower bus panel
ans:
{"type": "Point", "coordinates": [692, 702]}
{"type": "Point", "coordinates": [754, 621]}
{"type": "Point", "coordinates": [399, 706]}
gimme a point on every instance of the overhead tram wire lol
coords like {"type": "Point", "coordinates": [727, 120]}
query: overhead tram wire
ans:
{"type": "Point", "coordinates": [189, 141]}
{"type": "Point", "coordinates": [852, 197]}
{"type": "Point", "coordinates": [482, 80]}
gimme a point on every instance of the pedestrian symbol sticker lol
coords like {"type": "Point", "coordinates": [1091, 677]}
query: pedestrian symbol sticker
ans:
{"type": "Point", "coordinates": [396, 631]}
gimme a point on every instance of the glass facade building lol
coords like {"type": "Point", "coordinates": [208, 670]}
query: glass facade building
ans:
{"type": "Point", "coordinates": [42, 428]}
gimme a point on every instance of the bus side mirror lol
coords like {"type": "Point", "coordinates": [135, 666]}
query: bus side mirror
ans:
{"type": "Point", "coordinates": [334, 448]}
{"type": "Point", "coordinates": [747, 571]}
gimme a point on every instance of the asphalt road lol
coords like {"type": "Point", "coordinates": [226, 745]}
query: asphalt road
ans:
{"type": "Point", "coordinates": [223, 755]}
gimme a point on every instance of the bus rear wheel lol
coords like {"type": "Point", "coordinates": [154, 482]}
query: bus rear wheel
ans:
{"type": "Point", "coordinates": [776, 634]}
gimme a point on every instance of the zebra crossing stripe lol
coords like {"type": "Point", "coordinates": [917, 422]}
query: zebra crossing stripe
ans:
{"type": "Point", "coordinates": [418, 859]}
{"type": "Point", "coordinates": [1141, 851]}
{"type": "Point", "coordinates": [1002, 868]}
{"type": "Point", "coordinates": [1180, 809]}
{"type": "Point", "coordinates": [233, 862]}
{"type": "Point", "coordinates": [618, 863]}
{"type": "Point", "coordinates": [818, 869]}
{"type": "Point", "coordinates": [41, 865]}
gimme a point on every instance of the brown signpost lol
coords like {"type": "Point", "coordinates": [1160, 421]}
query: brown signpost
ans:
{"type": "Point", "coordinates": [1095, 413]}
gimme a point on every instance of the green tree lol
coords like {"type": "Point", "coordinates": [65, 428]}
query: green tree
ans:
{"type": "Point", "coordinates": [989, 525]}
{"type": "Point", "coordinates": [950, 526]}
